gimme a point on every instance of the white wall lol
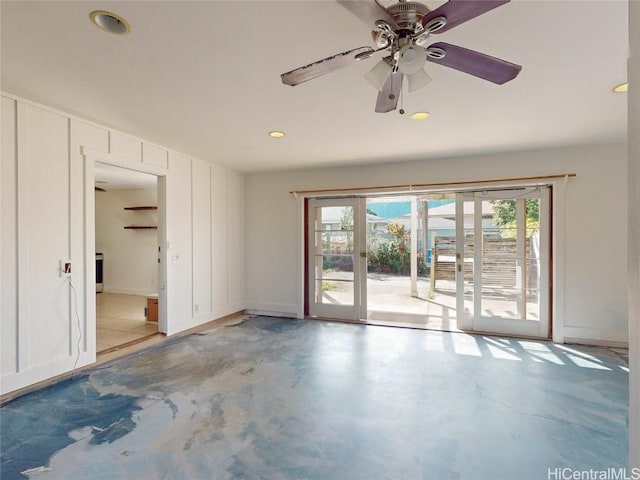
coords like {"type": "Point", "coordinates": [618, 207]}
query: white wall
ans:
{"type": "Point", "coordinates": [634, 235]}
{"type": "Point", "coordinates": [47, 204]}
{"type": "Point", "coordinates": [594, 222]}
{"type": "Point", "coordinates": [130, 256]}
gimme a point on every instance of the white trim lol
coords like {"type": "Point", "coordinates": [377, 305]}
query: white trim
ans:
{"type": "Point", "coordinates": [72, 117]}
{"type": "Point", "coordinates": [581, 335]}
{"type": "Point", "coordinates": [519, 325]}
{"type": "Point", "coordinates": [161, 186]}
{"type": "Point", "coordinates": [89, 200]}
{"type": "Point", "coordinates": [272, 313]}
{"type": "Point", "coordinates": [360, 248]}
{"type": "Point", "coordinates": [91, 156]}
{"type": "Point", "coordinates": [275, 308]}
{"type": "Point", "coordinates": [353, 310]}
{"type": "Point", "coordinates": [300, 213]}
{"type": "Point", "coordinates": [22, 159]}
{"type": "Point", "coordinates": [596, 343]}
{"type": "Point", "coordinates": [45, 371]}
{"type": "Point", "coordinates": [463, 321]}
{"type": "Point", "coordinates": [478, 247]}
{"type": "Point", "coordinates": [129, 291]}
{"type": "Point", "coordinates": [557, 312]}
{"type": "Point", "coordinates": [556, 189]}
{"type": "Point", "coordinates": [115, 160]}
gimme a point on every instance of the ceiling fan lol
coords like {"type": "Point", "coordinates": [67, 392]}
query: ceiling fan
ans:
{"type": "Point", "coordinates": [401, 31]}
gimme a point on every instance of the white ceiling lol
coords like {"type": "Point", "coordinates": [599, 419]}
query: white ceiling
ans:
{"type": "Point", "coordinates": [203, 78]}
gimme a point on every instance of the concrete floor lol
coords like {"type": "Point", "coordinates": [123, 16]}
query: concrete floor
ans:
{"type": "Point", "coordinates": [275, 398]}
{"type": "Point", "coordinates": [389, 301]}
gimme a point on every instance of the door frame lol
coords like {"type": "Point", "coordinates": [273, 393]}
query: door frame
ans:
{"type": "Point", "coordinates": [499, 325]}
{"type": "Point", "coordinates": [558, 231]}
{"type": "Point", "coordinates": [356, 311]}
{"type": "Point", "coordinates": [90, 157]}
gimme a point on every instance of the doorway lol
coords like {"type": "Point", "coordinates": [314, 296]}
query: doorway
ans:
{"type": "Point", "coordinates": [127, 246]}
{"type": "Point", "coordinates": [503, 261]}
{"type": "Point", "coordinates": [400, 232]}
{"type": "Point", "coordinates": [472, 261]}
{"type": "Point", "coordinates": [337, 288]}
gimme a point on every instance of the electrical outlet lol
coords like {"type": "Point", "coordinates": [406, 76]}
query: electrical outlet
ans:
{"type": "Point", "coordinates": [196, 308]}
{"type": "Point", "coordinates": [65, 268]}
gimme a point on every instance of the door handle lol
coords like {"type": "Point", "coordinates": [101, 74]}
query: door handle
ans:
{"type": "Point", "coordinates": [363, 254]}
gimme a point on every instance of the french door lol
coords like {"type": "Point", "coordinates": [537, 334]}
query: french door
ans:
{"type": "Point", "coordinates": [337, 258]}
{"type": "Point", "coordinates": [502, 261]}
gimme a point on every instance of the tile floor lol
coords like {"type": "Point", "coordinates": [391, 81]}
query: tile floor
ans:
{"type": "Point", "coordinates": [273, 398]}
{"type": "Point", "coordinates": [121, 320]}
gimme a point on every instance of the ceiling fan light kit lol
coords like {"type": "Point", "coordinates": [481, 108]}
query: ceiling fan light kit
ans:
{"type": "Point", "coordinates": [411, 59]}
{"type": "Point", "coordinates": [378, 74]}
{"type": "Point", "coordinates": [402, 30]}
{"type": "Point", "coordinates": [417, 80]}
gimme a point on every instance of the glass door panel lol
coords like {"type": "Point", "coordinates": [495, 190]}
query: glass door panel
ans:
{"type": "Point", "coordinates": [465, 260]}
{"type": "Point", "coordinates": [510, 261]}
{"type": "Point", "coordinates": [334, 258]}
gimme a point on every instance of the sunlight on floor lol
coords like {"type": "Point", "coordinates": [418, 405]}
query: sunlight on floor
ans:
{"type": "Point", "coordinates": [121, 320]}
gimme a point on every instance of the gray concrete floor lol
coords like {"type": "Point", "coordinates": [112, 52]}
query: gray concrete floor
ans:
{"type": "Point", "coordinates": [389, 300]}
{"type": "Point", "coordinates": [275, 398]}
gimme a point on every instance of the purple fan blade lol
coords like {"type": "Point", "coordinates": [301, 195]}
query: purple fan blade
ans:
{"type": "Point", "coordinates": [475, 63]}
{"type": "Point", "coordinates": [322, 67]}
{"type": "Point", "coordinates": [369, 11]}
{"type": "Point", "coordinates": [388, 96]}
{"type": "Point", "coordinates": [459, 11]}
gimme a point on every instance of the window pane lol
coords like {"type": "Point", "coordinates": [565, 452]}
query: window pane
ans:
{"type": "Point", "coordinates": [334, 292]}
{"type": "Point", "coordinates": [336, 242]}
{"type": "Point", "coordinates": [339, 267]}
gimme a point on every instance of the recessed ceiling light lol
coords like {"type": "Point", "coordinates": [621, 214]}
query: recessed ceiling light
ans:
{"type": "Point", "coordinates": [622, 88]}
{"type": "Point", "coordinates": [419, 115]}
{"type": "Point", "coordinates": [276, 134]}
{"type": "Point", "coordinates": [110, 22]}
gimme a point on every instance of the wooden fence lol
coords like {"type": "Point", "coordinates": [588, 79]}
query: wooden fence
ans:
{"type": "Point", "coordinates": [498, 266]}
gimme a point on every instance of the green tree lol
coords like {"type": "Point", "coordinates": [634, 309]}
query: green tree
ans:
{"type": "Point", "coordinates": [504, 212]}
{"type": "Point", "coordinates": [346, 224]}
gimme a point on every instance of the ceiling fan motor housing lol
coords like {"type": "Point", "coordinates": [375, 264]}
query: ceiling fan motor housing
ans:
{"type": "Point", "coordinates": [408, 16]}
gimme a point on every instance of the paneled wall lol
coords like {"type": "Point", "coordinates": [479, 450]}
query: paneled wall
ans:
{"type": "Point", "coordinates": [8, 241]}
{"type": "Point", "coordinates": [634, 235]}
{"type": "Point", "coordinates": [47, 214]}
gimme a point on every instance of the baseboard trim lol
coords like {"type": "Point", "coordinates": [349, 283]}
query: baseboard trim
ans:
{"type": "Point", "coordinates": [596, 343]}
{"type": "Point", "coordinates": [105, 357]}
{"type": "Point", "coordinates": [271, 313]}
